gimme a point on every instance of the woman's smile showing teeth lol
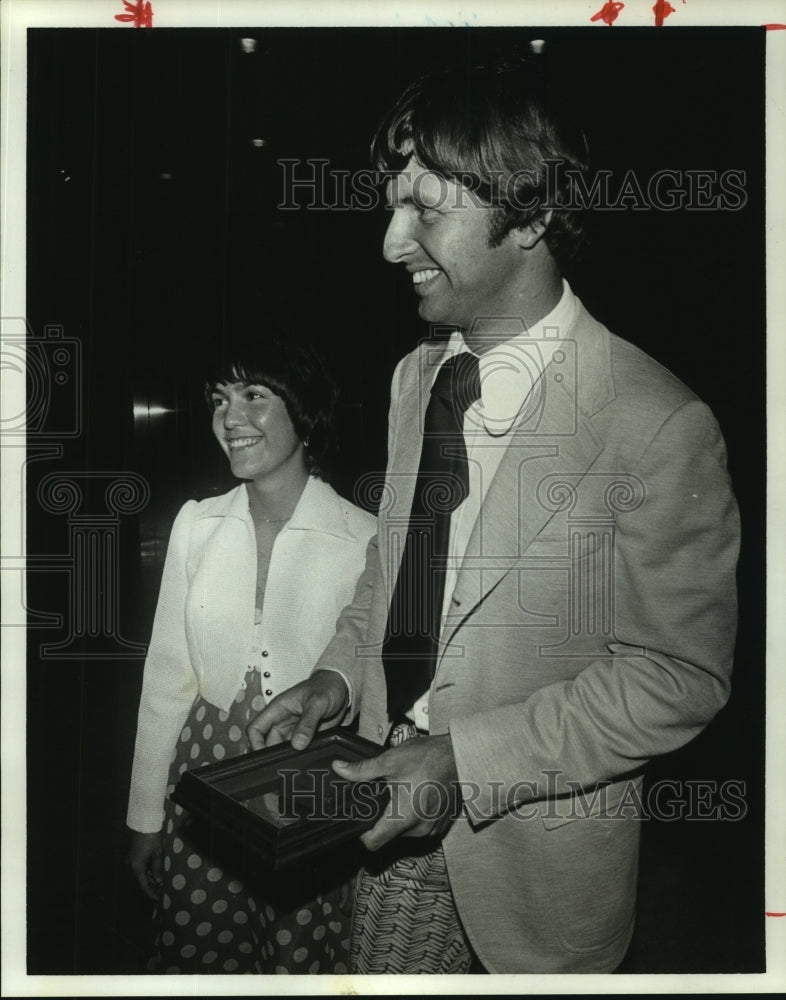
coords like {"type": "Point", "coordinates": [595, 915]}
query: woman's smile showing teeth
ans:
{"type": "Point", "coordinates": [246, 442]}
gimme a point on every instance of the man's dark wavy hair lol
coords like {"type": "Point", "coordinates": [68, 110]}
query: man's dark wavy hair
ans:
{"type": "Point", "coordinates": [482, 127]}
{"type": "Point", "coordinates": [294, 370]}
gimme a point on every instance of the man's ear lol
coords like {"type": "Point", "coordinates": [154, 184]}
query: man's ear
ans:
{"type": "Point", "coordinates": [530, 235]}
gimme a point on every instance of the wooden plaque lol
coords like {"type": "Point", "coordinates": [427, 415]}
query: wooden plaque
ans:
{"type": "Point", "coordinates": [280, 805]}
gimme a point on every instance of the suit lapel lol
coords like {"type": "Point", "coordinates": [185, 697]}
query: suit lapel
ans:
{"type": "Point", "coordinates": [404, 460]}
{"type": "Point", "coordinates": [556, 442]}
{"type": "Point", "coordinates": [558, 439]}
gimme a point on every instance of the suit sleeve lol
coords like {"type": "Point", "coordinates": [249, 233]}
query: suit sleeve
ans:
{"type": "Point", "coordinates": [668, 671]}
{"type": "Point", "coordinates": [352, 625]}
{"type": "Point", "coordinates": [169, 686]}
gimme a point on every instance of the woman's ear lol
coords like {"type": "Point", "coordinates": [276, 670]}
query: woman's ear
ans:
{"type": "Point", "coordinates": [530, 235]}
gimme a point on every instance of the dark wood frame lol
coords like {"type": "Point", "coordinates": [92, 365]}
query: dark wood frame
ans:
{"type": "Point", "coordinates": [226, 796]}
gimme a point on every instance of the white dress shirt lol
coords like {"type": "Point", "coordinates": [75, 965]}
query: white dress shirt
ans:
{"type": "Point", "coordinates": [508, 372]}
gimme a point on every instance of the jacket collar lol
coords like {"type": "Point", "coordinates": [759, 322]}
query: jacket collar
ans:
{"type": "Point", "coordinates": [594, 389]}
{"type": "Point", "coordinates": [319, 508]}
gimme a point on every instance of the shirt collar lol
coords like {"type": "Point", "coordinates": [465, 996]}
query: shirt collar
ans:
{"type": "Point", "coordinates": [509, 370]}
{"type": "Point", "coordinates": [319, 508]}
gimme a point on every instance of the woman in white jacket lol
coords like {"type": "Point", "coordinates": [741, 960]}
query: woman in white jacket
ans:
{"type": "Point", "coordinates": [253, 583]}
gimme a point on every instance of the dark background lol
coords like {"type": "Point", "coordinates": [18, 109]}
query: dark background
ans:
{"type": "Point", "coordinates": [153, 232]}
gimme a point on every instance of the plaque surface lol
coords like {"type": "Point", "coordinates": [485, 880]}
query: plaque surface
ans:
{"type": "Point", "coordinates": [282, 806]}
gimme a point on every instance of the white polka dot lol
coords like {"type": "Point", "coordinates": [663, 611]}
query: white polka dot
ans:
{"type": "Point", "coordinates": [230, 965]}
{"type": "Point", "coordinates": [240, 917]}
{"type": "Point", "coordinates": [270, 913]}
{"type": "Point", "coordinates": [218, 751]}
{"type": "Point", "coordinates": [168, 938]}
{"type": "Point", "coordinates": [235, 733]}
{"type": "Point", "coordinates": [182, 767]}
{"type": "Point", "coordinates": [170, 788]}
{"type": "Point", "coordinates": [209, 956]}
{"type": "Point", "coordinates": [185, 736]}
{"type": "Point", "coordinates": [235, 885]}
{"type": "Point", "coordinates": [327, 908]}
{"type": "Point", "coordinates": [178, 810]}
{"type": "Point", "coordinates": [188, 950]}
{"type": "Point", "coordinates": [345, 944]}
{"type": "Point", "coordinates": [194, 861]}
{"type": "Point", "coordinates": [313, 969]}
{"type": "Point", "coordinates": [200, 713]}
{"type": "Point", "coordinates": [177, 845]}
{"type": "Point", "coordinates": [283, 937]}
{"type": "Point", "coordinates": [340, 968]}
{"type": "Point", "coordinates": [173, 970]}
{"type": "Point", "coordinates": [166, 901]}
{"type": "Point", "coordinates": [198, 896]}
{"type": "Point", "coordinates": [167, 864]}
{"type": "Point", "coordinates": [301, 955]}
{"type": "Point", "coordinates": [219, 906]}
{"type": "Point", "coordinates": [170, 826]}
{"type": "Point", "coordinates": [182, 917]}
{"type": "Point", "coordinates": [304, 917]}
{"type": "Point", "coordinates": [245, 947]}
{"type": "Point", "coordinates": [223, 716]}
{"type": "Point", "coordinates": [335, 926]}
{"type": "Point", "coordinates": [179, 882]}
{"type": "Point", "coordinates": [204, 928]}
{"type": "Point", "coordinates": [319, 933]}
{"type": "Point", "coordinates": [240, 695]}
{"type": "Point", "coordinates": [225, 937]}
{"type": "Point", "coordinates": [281, 971]}
{"type": "Point", "coordinates": [257, 703]}
{"type": "Point", "coordinates": [194, 751]}
{"type": "Point", "coordinates": [214, 874]}
{"type": "Point", "coordinates": [252, 904]}
{"type": "Point", "coordinates": [207, 732]}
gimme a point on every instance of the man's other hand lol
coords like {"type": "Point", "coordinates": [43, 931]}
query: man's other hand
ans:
{"type": "Point", "coordinates": [297, 713]}
{"type": "Point", "coordinates": [424, 798]}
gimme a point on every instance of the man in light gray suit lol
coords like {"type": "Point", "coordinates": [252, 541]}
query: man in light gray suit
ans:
{"type": "Point", "coordinates": [585, 584]}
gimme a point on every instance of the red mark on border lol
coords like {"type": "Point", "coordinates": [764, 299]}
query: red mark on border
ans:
{"type": "Point", "coordinates": [766, 912]}
{"type": "Point", "coordinates": [774, 27]}
{"type": "Point", "coordinates": [661, 10]}
{"type": "Point", "coordinates": [141, 13]}
{"type": "Point", "coordinates": [608, 12]}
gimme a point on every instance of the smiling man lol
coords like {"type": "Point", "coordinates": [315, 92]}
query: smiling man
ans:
{"type": "Point", "coordinates": [550, 598]}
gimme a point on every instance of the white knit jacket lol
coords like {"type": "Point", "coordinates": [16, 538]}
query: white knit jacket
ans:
{"type": "Point", "coordinates": [203, 631]}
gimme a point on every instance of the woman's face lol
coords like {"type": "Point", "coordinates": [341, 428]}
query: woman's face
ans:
{"type": "Point", "coordinates": [252, 426]}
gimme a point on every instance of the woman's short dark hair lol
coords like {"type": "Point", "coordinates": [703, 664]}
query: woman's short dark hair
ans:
{"type": "Point", "coordinates": [495, 130]}
{"type": "Point", "coordinates": [294, 370]}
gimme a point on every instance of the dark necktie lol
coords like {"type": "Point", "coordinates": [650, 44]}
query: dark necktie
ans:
{"type": "Point", "coordinates": [409, 651]}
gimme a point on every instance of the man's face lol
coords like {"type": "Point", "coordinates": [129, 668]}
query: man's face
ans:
{"type": "Point", "coordinates": [440, 234]}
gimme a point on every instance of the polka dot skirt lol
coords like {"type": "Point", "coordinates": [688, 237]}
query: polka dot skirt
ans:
{"type": "Point", "coordinates": [211, 919]}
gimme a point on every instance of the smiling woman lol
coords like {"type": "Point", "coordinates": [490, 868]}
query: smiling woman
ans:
{"type": "Point", "coordinates": [243, 572]}
{"type": "Point", "coordinates": [252, 426]}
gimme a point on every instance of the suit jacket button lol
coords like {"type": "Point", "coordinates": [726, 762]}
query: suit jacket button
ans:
{"type": "Point", "coordinates": [268, 692]}
{"type": "Point", "coordinates": [380, 730]}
